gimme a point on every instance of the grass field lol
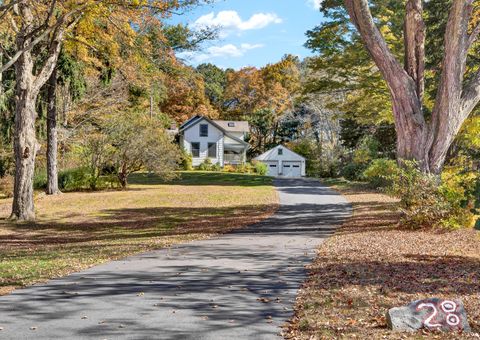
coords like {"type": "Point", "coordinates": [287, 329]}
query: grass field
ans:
{"type": "Point", "coordinates": [77, 230]}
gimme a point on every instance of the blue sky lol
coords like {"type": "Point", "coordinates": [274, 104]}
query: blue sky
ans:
{"type": "Point", "coordinates": [253, 32]}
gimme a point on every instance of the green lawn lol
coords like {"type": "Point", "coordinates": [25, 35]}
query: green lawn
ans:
{"type": "Point", "coordinates": [77, 230]}
{"type": "Point", "coordinates": [204, 178]}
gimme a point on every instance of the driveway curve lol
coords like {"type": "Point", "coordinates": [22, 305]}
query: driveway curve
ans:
{"type": "Point", "coordinates": [236, 286]}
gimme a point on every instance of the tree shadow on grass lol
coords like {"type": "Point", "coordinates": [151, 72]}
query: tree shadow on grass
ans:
{"type": "Point", "coordinates": [200, 178]}
{"type": "Point", "coordinates": [127, 223]}
{"type": "Point", "coordinates": [118, 224]}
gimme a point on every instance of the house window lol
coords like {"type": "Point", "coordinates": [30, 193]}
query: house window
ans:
{"type": "Point", "coordinates": [231, 124]}
{"type": "Point", "coordinates": [212, 150]}
{"type": "Point", "coordinates": [280, 152]}
{"type": "Point", "coordinates": [195, 150]}
{"type": "Point", "coordinates": [203, 130]}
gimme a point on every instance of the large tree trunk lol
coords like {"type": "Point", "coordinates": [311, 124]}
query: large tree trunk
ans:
{"type": "Point", "coordinates": [123, 179]}
{"type": "Point", "coordinates": [52, 171]}
{"type": "Point", "coordinates": [447, 115]}
{"type": "Point", "coordinates": [28, 85]}
{"type": "Point", "coordinates": [25, 142]}
{"type": "Point", "coordinates": [1, 76]}
{"type": "Point", "coordinates": [427, 142]}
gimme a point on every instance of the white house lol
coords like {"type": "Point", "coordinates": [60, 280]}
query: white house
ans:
{"type": "Point", "coordinates": [283, 162]}
{"type": "Point", "coordinates": [223, 142]}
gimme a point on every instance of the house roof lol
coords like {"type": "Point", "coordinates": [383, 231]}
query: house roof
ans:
{"type": "Point", "coordinates": [193, 121]}
{"type": "Point", "coordinates": [233, 126]}
{"type": "Point", "coordinates": [190, 122]}
{"type": "Point", "coordinates": [272, 155]}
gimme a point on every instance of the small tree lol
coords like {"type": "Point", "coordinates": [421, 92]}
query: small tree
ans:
{"type": "Point", "coordinates": [96, 152]}
{"type": "Point", "coordinates": [138, 143]}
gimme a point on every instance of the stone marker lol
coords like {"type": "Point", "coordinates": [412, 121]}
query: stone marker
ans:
{"type": "Point", "coordinates": [433, 314]}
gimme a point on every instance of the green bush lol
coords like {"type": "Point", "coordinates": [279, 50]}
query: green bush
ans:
{"type": "Point", "coordinates": [322, 160]}
{"type": "Point", "coordinates": [261, 168]}
{"type": "Point", "coordinates": [216, 167]}
{"type": "Point", "coordinates": [366, 151]}
{"type": "Point", "coordinates": [40, 180]}
{"type": "Point", "coordinates": [246, 168]}
{"type": "Point", "coordinates": [431, 201]}
{"type": "Point", "coordinates": [186, 161]}
{"type": "Point", "coordinates": [75, 179]}
{"type": "Point", "coordinates": [381, 173]}
{"type": "Point", "coordinates": [353, 171]}
{"type": "Point", "coordinates": [206, 165]}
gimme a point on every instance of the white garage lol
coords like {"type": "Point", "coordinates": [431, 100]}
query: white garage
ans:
{"type": "Point", "coordinates": [282, 161]}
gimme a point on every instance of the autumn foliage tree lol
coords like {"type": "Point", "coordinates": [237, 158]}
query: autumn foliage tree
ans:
{"type": "Point", "coordinates": [263, 96]}
{"type": "Point", "coordinates": [38, 30]}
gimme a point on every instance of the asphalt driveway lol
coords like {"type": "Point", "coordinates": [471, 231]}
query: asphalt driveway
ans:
{"type": "Point", "coordinates": [236, 286]}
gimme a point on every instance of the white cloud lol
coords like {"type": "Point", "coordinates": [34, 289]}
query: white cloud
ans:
{"type": "Point", "coordinates": [315, 4]}
{"type": "Point", "coordinates": [224, 51]}
{"type": "Point", "coordinates": [231, 20]}
{"type": "Point", "coordinates": [231, 50]}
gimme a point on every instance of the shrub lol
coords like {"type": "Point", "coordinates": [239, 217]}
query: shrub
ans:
{"type": "Point", "coordinates": [229, 168]}
{"type": "Point", "coordinates": [186, 161]}
{"type": "Point", "coordinates": [78, 179]}
{"type": "Point", "coordinates": [75, 179]}
{"type": "Point", "coordinates": [206, 165]}
{"type": "Point", "coordinates": [246, 168]}
{"type": "Point", "coordinates": [353, 171]}
{"type": "Point", "coordinates": [430, 201]}
{"type": "Point", "coordinates": [381, 173]}
{"type": "Point", "coordinates": [323, 160]}
{"type": "Point", "coordinates": [240, 169]}
{"type": "Point", "coordinates": [40, 180]}
{"type": "Point", "coordinates": [261, 168]}
{"type": "Point", "coordinates": [366, 151]}
{"type": "Point", "coordinates": [217, 167]}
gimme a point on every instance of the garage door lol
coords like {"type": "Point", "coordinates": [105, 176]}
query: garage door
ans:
{"type": "Point", "coordinates": [272, 169]}
{"type": "Point", "coordinates": [292, 169]}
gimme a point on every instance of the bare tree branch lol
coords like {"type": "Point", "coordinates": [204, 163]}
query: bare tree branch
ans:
{"type": "Point", "coordinates": [61, 21]}
{"type": "Point", "coordinates": [471, 95]}
{"type": "Point", "coordinates": [14, 25]}
{"type": "Point", "coordinates": [10, 5]}
{"type": "Point", "coordinates": [45, 23]}
{"type": "Point", "coordinates": [473, 36]}
{"type": "Point", "coordinates": [49, 65]}
{"type": "Point", "coordinates": [376, 45]}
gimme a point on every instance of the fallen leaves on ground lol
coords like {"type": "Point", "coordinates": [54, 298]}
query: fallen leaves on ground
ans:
{"type": "Point", "coordinates": [372, 265]}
